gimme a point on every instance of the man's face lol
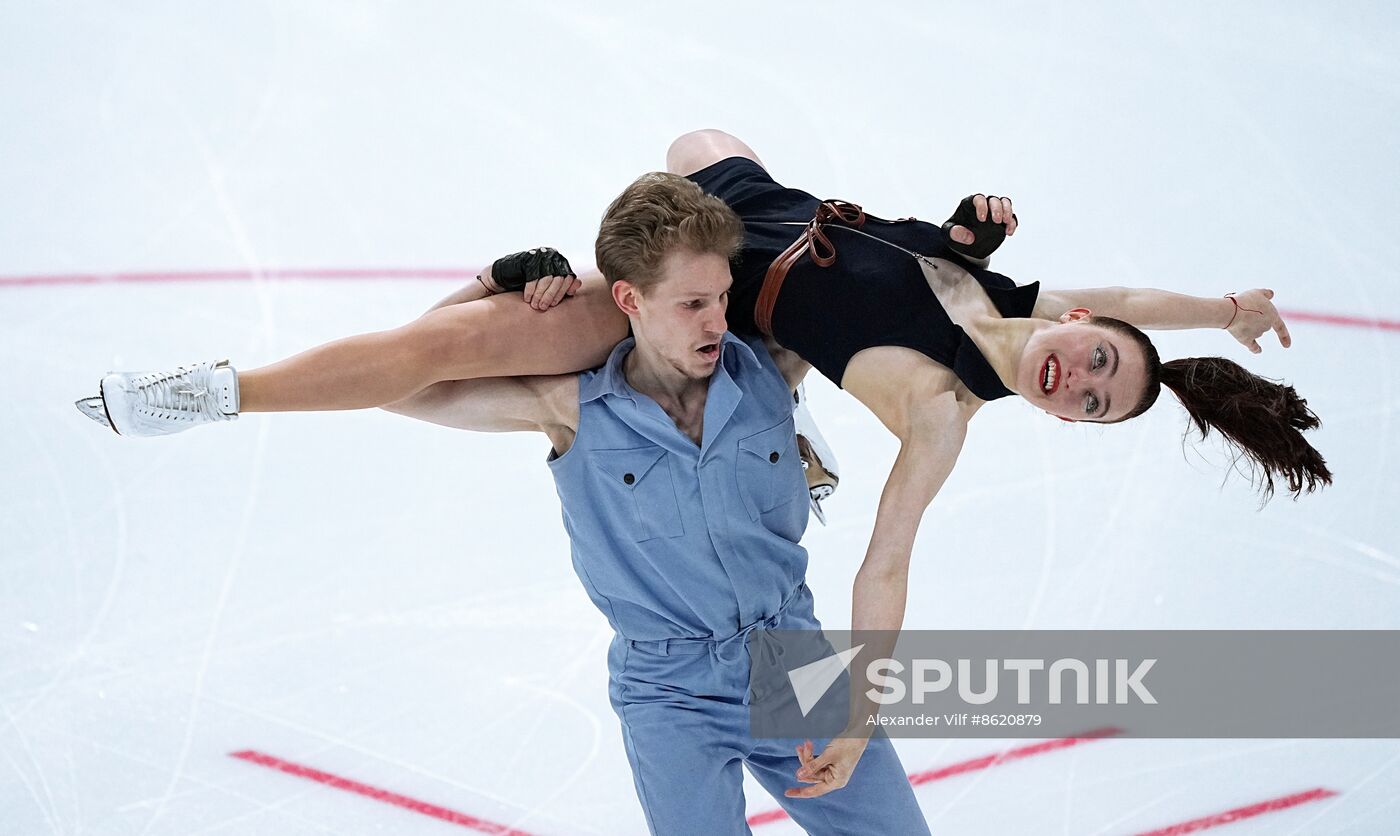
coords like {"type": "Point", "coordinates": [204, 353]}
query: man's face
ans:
{"type": "Point", "coordinates": [679, 320]}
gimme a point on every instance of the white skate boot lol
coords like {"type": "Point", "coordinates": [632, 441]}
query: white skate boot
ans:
{"type": "Point", "coordinates": [823, 474]}
{"type": "Point", "coordinates": [161, 403]}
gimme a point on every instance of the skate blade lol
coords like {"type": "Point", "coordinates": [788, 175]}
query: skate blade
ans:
{"type": "Point", "coordinates": [96, 410]}
{"type": "Point", "coordinates": [818, 477]}
{"type": "Point", "coordinates": [817, 494]}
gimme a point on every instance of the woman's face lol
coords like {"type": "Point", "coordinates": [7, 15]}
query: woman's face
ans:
{"type": "Point", "coordinates": [1081, 372]}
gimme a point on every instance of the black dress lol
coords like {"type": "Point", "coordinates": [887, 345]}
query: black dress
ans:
{"type": "Point", "coordinates": [873, 295]}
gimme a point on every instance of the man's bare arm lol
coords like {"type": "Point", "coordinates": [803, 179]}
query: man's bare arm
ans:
{"type": "Point", "coordinates": [501, 404]}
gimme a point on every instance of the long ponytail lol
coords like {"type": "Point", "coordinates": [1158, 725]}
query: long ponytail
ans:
{"type": "Point", "coordinates": [1261, 420]}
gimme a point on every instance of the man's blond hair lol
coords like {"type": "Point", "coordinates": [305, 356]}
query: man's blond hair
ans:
{"type": "Point", "coordinates": [653, 217]}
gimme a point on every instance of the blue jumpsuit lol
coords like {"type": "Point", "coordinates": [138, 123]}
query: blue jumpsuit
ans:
{"type": "Point", "coordinates": [686, 550]}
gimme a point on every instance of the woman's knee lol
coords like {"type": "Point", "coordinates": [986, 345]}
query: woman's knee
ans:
{"type": "Point", "coordinates": [699, 149]}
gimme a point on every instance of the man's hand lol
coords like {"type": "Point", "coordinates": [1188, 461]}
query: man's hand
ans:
{"type": "Point", "coordinates": [829, 772]}
{"type": "Point", "coordinates": [980, 223]}
{"type": "Point", "coordinates": [543, 276]}
{"type": "Point", "coordinates": [1256, 315]}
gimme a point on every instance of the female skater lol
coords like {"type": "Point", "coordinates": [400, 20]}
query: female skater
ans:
{"type": "Point", "coordinates": [885, 303]}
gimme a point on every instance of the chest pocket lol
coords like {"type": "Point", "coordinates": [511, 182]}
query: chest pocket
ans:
{"type": "Point", "coordinates": [769, 471]}
{"type": "Point", "coordinates": [638, 481]}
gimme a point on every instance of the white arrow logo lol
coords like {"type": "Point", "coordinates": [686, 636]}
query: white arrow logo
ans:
{"type": "Point", "coordinates": [811, 681]}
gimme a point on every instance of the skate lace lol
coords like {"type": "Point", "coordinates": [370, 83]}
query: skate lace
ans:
{"type": "Point", "coordinates": [180, 394]}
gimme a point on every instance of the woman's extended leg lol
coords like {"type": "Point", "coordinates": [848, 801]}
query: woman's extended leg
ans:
{"type": "Point", "coordinates": [500, 336]}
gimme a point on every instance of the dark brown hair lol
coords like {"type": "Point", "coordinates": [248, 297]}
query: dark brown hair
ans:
{"type": "Point", "coordinates": [1261, 420]}
{"type": "Point", "coordinates": [655, 215]}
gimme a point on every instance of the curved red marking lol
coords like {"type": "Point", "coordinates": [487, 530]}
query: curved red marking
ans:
{"type": "Point", "coordinates": [1273, 805]}
{"type": "Point", "coordinates": [330, 780]}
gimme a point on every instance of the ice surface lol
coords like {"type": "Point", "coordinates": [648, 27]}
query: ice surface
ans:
{"type": "Point", "coordinates": [393, 603]}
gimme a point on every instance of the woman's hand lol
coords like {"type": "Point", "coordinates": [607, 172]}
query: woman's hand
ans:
{"type": "Point", "coordinates": [1255, 315]}
{"type": "Point", "coordinates": [980, 223]}
{"type": "Point", "coordinates": [829, 772]}
{"type": "Point", "coordinates": [997, 208]}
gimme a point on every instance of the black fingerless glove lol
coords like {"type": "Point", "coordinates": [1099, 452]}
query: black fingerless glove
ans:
{"type": "Point", "coordinates": [513, 272]}
{"type": "Point", "coordinates": [987, 235]}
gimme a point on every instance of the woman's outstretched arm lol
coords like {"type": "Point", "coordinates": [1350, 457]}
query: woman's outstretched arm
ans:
{"type": "Point", "coordinates": [1247, 316]}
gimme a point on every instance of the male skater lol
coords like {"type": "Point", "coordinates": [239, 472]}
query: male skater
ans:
{"type": "Point", "coordinates": [677, 467]}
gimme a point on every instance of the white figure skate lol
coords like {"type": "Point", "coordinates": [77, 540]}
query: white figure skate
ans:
{"type": "Point", "coordinates": [162, 403]}
{"type": "Point", "coordinates": [819, 462]}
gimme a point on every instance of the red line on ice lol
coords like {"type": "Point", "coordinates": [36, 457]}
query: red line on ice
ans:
{"type": "Point", "coordinates": [973, 765]}
{"type": "Point", "coordinates": [452, 816]}
{"type": "Point", "coordinates": [1339, 319]}
{"type": "Point", "coordinates": [1273, 805]}
{"type": "Point", "coordinates": [271, 274]}
{"type": "Point", "coordinates": [460, 274]}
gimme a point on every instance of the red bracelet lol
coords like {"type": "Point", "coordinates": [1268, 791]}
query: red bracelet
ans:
{"type": "Point", "coordinates": [1231, 297]}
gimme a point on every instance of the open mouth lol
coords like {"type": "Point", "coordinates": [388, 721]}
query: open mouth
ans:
{"type": "Point", "coordinates": [1050, 375]}
{"type": "Point", "coordinates": [709, 352]}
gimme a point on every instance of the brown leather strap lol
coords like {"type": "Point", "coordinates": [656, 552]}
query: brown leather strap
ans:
{"type": "Point", "coordinates": [773, 282]}
{"type": "Point", "coordinates": [811, 238]}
